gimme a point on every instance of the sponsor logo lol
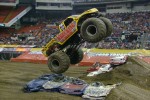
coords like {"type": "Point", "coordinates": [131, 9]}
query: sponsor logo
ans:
{"type": "Point", "coordinates": [35, 52]}
{"type": "Point", "coordinates": [64, 35]}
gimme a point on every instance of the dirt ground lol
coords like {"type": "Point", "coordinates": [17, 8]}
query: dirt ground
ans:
{"type": "Point", "coordinates": [134, 75]}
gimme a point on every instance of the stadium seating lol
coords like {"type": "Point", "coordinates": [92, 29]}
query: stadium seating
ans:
{"type": "Point", "coordinates": [7, 13]}
{"type": "Point", "coordinates": [29, 28]}
{"type": "Point", "coordinates": [15, 12]}
{"type": "Point", "coordinates": [4, 11]}
{"type": "Point", "coordinates": [124, 24]}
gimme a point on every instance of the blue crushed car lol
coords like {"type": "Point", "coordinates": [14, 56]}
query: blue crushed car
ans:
{"type": "Point", "coordinates": [37, 84]}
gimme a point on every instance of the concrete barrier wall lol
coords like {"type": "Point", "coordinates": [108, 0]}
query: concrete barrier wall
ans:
{"type": "Point", "coordinates": [34, 55]}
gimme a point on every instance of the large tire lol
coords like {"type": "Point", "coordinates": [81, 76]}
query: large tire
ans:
{"type": "Point", "coordinates": [109, 26]}
{"type": "Point", "coordinates": [58, 62]}
{"type": "Point", "coordinates": [93, 30]}
{"type": "Point", "coordinates": [75, 55]}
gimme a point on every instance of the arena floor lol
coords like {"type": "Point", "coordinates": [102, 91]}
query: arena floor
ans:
{"type": "Point", "coordinates": [135, 78]}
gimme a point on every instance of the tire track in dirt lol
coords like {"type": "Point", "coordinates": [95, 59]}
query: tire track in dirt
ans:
{"type": "Point", "coordinates": [132, 92]}
{"type": "Point", "coordinates": [142, 63]}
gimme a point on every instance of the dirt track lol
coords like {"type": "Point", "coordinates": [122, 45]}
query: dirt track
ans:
{"type": "Point", "coordinates": [134, 76]}
{"type": "Point", "coordinates": [131, 92]}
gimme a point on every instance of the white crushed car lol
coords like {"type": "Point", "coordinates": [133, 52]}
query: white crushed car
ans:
{"type": "Point", "coordinates": [118, 60]}
{"type": "Point", "coordinates": [102, 69]}
{"type": "Point", "coordinates": [106, 68]}
{"type": "Point", "coordinates": [97, 91]}
{"type": "Point", "coordinates": [94, 73]}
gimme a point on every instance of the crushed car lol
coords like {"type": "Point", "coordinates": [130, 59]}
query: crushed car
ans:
{"type": "Point", "coordinates": [98, 91]}
{"type": "Point", "coordinates": [102, 69]}
{"type": "Point", "coordinates": [94, 67]}
{"type": "Point", "coordinates": [74, 88]}
{"type": "Point", "coordinates": [118, 60]}
{"type": "Point", "coordinates": [37, 84]}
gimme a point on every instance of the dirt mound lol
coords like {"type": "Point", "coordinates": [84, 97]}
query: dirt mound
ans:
{"type": "Point", "coordinates": [129, 92]}
{"type": "Point", "coordinates": [135, 80]}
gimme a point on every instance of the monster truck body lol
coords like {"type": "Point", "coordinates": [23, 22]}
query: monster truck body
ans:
{"type": "Point", "coordinates": [63, 49]}
{"type": "Point", "coordinates": [67, 28]}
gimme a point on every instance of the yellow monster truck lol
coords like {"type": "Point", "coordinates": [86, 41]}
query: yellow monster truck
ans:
{"type": "Point", "coordinates": [64, 48]}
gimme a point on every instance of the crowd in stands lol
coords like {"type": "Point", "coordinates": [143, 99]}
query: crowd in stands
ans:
{"type": "Point", "coordinates": [129, 32]}
{"type": "Point", "coordinates": [76, 1]}
{"type": "Point", "coordinates": [126, 26]}
{"type": "Point", "coordinates": [130, 24]}
{"type": "Point", "coordinates": [38, 34]}
{"type": "Point", "coordinates": [8, 1]}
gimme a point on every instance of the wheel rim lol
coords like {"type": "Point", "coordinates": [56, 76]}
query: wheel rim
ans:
{"type": "Point", "coordinates": [55, 63]}
{"type": "Point", "coordinates": [91, 30]}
